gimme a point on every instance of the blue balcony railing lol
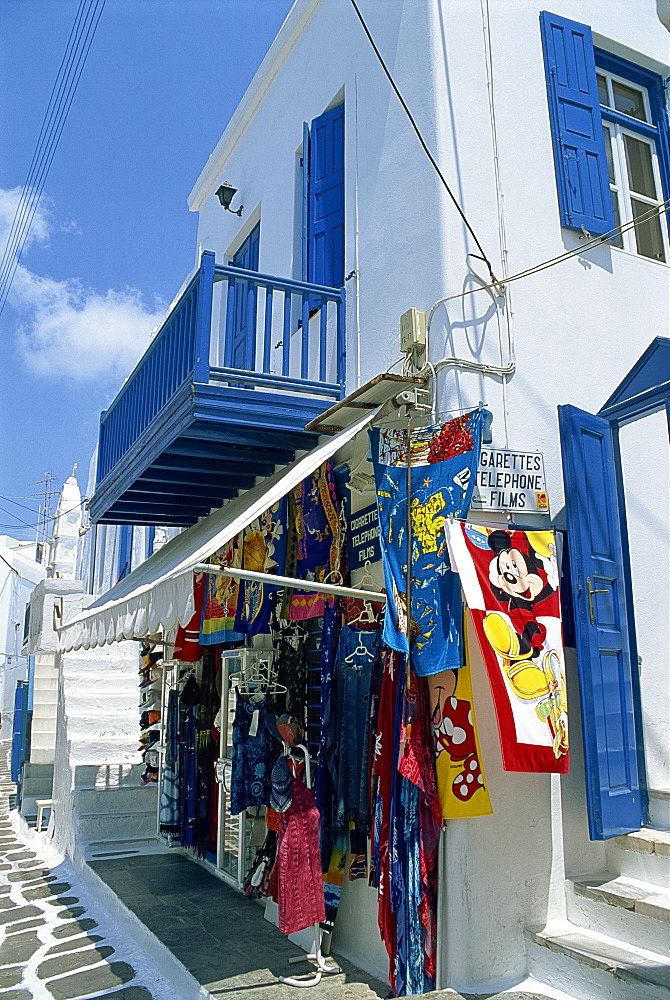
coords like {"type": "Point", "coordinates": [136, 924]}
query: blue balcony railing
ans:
{"type": "Point", "coordinates": [236, 328]}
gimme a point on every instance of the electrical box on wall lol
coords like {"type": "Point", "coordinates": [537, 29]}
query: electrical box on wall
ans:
{"type": "Point", "coordinates": [412, 331]}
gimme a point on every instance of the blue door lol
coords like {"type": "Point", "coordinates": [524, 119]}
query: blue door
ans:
{"type": "Point", "coordinates": [241, 351]}
{"type": "Point", "coordinates": [18, 728]}
{"type": "Point", "coordinates": [325, 241]}
{"type": "Point", "coordinates": [614, 796]}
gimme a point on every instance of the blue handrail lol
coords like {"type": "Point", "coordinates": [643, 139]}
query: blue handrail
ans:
{"type": "Point", "coordinates": [182, 347]}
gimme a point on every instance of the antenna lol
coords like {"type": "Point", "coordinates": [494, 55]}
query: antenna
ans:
{"type": "Point", "coordinates": [46, 495]}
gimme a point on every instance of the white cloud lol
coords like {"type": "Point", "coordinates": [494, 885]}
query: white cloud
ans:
{"type": "Point", "coordinates": [41, 224]}
{"type": "Point", "coordinates": [73, 331]}
{"type": "Point", "coordinates": [66, 329]}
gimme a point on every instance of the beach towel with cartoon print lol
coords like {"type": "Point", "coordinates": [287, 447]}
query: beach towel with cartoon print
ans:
{"type": "Point", "coordinates": [511, 584]}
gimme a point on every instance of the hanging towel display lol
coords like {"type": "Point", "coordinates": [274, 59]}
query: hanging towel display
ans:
{"type": "Point", "coordinates": [443, 466]}
{"type": "Point", "coordinates": [461, 784]}
{"type": "Point", "coordinates": [221, 596]}
{"type": "Point", "coordinates": [314, 546]}
{"type": "Point", "coordinates": [253, 755]}
{"type": "Point", "coordinates": [264, 551]}
{"type": "Point", "coordinates": [511, 585]}
{"type": "Point", "coordinates": [300, 900]}
{"type": "Point", "coordinates": [187, 641]}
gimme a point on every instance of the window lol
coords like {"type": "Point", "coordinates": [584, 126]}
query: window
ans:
{"type": "Point", "coordinates": [610, 138]}
{"type": "Point", "coordinates": [631, 147]}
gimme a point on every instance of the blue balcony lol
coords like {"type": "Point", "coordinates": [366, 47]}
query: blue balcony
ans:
{"type": "Point", "coordinates": [222, 394]}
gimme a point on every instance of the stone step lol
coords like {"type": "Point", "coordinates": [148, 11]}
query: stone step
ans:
{"type": "Point", "coordinates": [117, 825]}
{"type": "Point", "coordinates": [40, 789]}
{"type": "Point", "coordinates": [622, 908]}
{"type": "Point", "coordinates": [659, 808]}
{"type": "Point", "coordinates": [102, 750]}
{"type": "Point", "coordinates": [99, 776]}
{"type": "Point", "coordinates": [643, 855]}
{"type": "Point", "coordinates": [98, 850]}
{"type": "Point", "coordinates": [100, 701]}
{"type": "Point", "coordinates": [46, 683]}
{"type": "Point", "coordinates": [116, 799]}
{"type": "Point", "coordinates": [591, 966]}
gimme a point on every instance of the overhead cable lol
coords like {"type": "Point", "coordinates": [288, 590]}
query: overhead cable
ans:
{"type": "Point", "coordinates": [656, 211]}
{"type": "Point", "coordinates": [62, 94]}
{"type": "Point", "coordinates": [423, 142]}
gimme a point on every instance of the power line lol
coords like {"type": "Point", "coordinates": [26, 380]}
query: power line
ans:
{"type": "Point", "coordinates": [423, 142]}
{"type": "Point", "coordinates": [28, 190]}
{"type": "Point", "coordinates": [83, 32]}
{"type": "Point", "coordinates": [656, 211]}
{"type": "Point", "coordinates": [17, 504]}
{"type": "Point", "coordinates": [52, 126]}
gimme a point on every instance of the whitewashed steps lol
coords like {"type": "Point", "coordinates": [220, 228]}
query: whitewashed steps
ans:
{"type": "Point", "coordinates": [592, 966]}
{"type": "Point", "coordinates": [622, 908]}
{"type": "Point", "coordinates": [643, 855]}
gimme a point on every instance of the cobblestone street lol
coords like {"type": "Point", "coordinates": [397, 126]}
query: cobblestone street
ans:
{"type": "Point", "coordinates": [56, 943]}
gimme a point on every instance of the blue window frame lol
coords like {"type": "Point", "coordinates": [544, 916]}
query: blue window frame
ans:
{"type": "Point", "coordinates": [609, 132]}
{"type": "Point", "coordinates": [636, 141]}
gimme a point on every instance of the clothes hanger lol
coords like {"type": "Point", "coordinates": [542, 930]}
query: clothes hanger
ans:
{"type": "Point", "coordinates": [367, 576]}
{"type": "Point", "coordinates": [366, 615]}
{"type": "Point", "coordinates": [361, 650]}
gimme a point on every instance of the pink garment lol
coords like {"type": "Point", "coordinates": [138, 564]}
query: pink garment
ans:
{"type": "Point", "coordinates": [301, 901]}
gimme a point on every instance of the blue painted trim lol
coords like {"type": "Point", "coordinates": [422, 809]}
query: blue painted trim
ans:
{"type": "Point", "coordinates": [645, 388]}
{"type": "Point", "coordinates": [627, 122]}
{"type": "Point", "coordinates": [204, 316]}
{"type": "Point", "coordinates": [654, 86]}
{"type": "Point", "coordinates": [632, 632]}
{"type": "Point", "coordinates": [329, 389]}
{"type": "Point", "coordinates": [305, 201]}
{"type": "Point", "coordinates": [149, 538]}
{"type": "Point", "coordinates": [31, 682]}
{"type": "Point", "coordinates": [223, 271]}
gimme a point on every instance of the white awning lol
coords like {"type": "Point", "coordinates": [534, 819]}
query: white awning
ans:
{"type": "Point", "coordinates": [159, 593]}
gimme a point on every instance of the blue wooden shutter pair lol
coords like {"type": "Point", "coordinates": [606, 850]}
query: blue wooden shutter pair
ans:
{"type": "Point", "coordinates": [609, 686]}
{"type": "Point", "coordinates": [576, 126]}
{"type": "Point", "coordinates": [323, 199]}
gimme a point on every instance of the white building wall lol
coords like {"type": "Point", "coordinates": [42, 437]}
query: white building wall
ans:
{"type": "Point", "coordinates": [18, 575]}
{"type": "Point", "coordinates": [577, 328]}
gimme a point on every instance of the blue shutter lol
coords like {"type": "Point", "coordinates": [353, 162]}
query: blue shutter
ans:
{"type": "Point", "coordinates": [614, 797]}
{"type": "Point", "coordinates": [326, 199]}
{"type": "Point", "coordinates": [125, 551]}
{"type": "Point", "coordinates": [576, 126]}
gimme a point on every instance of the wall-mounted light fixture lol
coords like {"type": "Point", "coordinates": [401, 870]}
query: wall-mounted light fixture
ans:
{"type": "Point", "coordinates": [225, 194]}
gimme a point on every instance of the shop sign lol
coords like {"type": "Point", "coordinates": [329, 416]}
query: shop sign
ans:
{"type": "Point", "coordinates": [510, 480]}
{"type": "Point", "coordinates": [363, 538]}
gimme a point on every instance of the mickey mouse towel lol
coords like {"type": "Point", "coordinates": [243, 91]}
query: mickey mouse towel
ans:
{"type": "Point", "coordinates": [510, 580]}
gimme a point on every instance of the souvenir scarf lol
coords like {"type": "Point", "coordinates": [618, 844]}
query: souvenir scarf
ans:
{"type": "Point", "coordinates": [315, 541]}
{"type": "Point", "coordinates": [443, 468]}
{"type": "Point", "coordinates": [219, 610]}
{"type": "Point", "coordinates": [461, 786]}
{"type": "Point", "coordinates": [511, 585]}
{"type": "Point", "coordinates": [187, 642]}
{"type": "Point", "coordinates": [264, 551]}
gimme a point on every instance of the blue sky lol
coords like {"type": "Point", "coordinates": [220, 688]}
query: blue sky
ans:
{"type": "Point", "coordinates": [113, 238]}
